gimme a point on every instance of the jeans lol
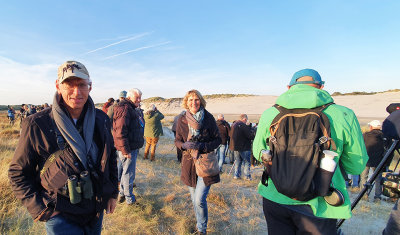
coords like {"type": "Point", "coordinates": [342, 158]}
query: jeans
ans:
{"type": "Point", "coordinates": [128, 176]}
{"type": "Point", "coordinates": [231, 156]}
{"type": "Point", "coordinates": [119, 167]}
{"type": "Point", "coordinates": [151, 143]}
{"type": "Point", "coordinates": [199, 200]}
{"type": "Point", "coordinates": [60, 226]}
{"type": "Point", "coordinates": [354, 181]}
{"type": "Point", "coordinates": [242, 156]}
{"type": "Point", "coordinates": [221, 155]}
{"type": "Point", "coordinates": [364, 178]}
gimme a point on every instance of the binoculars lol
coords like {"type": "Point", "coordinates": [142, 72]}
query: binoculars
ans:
{"type": "Point", "coordinates": [79, 188]}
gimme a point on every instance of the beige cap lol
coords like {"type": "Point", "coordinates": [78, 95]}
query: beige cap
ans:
{"type": "Point", "coordinates": [375, 124]}
{"type": "Point", "coordinates": [72, 69]}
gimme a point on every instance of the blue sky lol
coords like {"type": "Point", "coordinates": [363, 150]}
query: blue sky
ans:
{"type": "Point", "coordinates": [166, 48]}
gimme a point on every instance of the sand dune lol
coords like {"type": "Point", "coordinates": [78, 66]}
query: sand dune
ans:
{"type": "Point", "coordinates": [366, 107]}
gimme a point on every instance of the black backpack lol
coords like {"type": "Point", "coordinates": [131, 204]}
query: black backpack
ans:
{"type": "Point", "coordinates": [298, 137]}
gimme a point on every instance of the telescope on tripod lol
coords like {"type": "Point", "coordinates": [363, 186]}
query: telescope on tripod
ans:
{"type": "Point", "coordinates": [391, 184]}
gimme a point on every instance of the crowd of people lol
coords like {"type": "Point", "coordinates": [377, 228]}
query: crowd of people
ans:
{"type": "Point", "coordinates": [24, 111]}
{"type": "Point", "coordinates": [73, 161]}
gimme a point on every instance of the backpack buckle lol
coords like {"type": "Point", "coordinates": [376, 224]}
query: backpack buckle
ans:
{"type": "Point", "coordinates": [272, 139]}
{"type": "Point", "coordinates": [323, 140]}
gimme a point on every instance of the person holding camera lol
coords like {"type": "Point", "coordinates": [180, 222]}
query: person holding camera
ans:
{"type": "Point", "coordinates": [64, 167]}
{"type": "Point", "coordinates": [197, 136]}
{"type": "Point", "coordinates": [152, 130]}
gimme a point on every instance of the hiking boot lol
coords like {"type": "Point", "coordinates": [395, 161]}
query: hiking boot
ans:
{"type": "Point", "coordinates": [121, 198]}
{"type": "Point", "coordinates": [355, 189]}
{"type": "Point", "coordinates": [135, 203]}
{"type": "Point", "coordinates": [248, 178]}
{"type": "Point", "coordinates": [377, 200]}
{"type": "Point", "coordinates": [365, 197]}
{"type": "Point", "coordinates": [236, 178]}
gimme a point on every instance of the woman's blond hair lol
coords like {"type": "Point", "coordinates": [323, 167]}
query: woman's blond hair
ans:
{"type": "Point", "coordinates": [198, 94]}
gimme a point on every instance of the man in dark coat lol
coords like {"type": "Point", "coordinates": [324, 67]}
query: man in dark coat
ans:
{"type": "Point", "coordinates": [241, 137]}
{"type": "Point", "coordinates": [108, 104]}
{"type": "Point", "coordinates": [128, 131]}
{"type": "Point", "coordinates": [224, 128]}
{"type": "Point", "coordinates": [375, 143]}
{"type": "Point", "coordinates": [69, 142]}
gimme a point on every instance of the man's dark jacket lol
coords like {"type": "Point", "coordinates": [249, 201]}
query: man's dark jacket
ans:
{"type": "Point", "coordinates": [241, 137]}
{"type": "Point", "coordinates": [37, 142]}
{"type": "Point", "coordinates": [374, 142]}
{"type": "Point", "coordinates": [209, 135]}
{"type": "Point", "coordinates": [224, 128]}
{"type": "Point", "coordinates": [128, 127]}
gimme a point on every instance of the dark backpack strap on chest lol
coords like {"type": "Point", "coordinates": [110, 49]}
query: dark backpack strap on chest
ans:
{"type": "Point", "coordinates": [59, 138]}
{"type": "Point", "coordinates": [61, 145]}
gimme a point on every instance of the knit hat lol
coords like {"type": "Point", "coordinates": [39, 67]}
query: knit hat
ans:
{"type": "Point", "coordinates": [306, 72]}
{"type": "Point", "coordinates": [122, 94]}
{"type": "Point", "coordinates": [72, 69]}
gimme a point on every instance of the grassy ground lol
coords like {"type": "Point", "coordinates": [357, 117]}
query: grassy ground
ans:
{"type": "Point", "coordinates": [164, 205]}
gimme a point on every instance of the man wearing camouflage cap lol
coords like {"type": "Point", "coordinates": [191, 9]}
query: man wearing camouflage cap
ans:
{"type": "Point", "coordinates": [64, 167]}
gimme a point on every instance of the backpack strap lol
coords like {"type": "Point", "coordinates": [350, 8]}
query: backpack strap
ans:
{"type": "Point", "coordinates": [60, 139]}
{"type": "Point", "coordinates": [330, 142]}
{"type": "Point", "coordinates": [61, 145]}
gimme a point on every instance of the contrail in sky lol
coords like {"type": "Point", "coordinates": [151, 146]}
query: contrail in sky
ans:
{"type": "Point", "coordinates": [137, 49]}
{"type": "Point", "coordinates": [115, 43]}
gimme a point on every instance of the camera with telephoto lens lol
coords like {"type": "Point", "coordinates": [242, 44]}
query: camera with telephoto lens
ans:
{"type": "Point", "coordinates": [391, 184]}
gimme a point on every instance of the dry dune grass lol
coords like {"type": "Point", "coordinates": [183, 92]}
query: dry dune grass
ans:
{"type": "Point", "coordinates": [164, 205]}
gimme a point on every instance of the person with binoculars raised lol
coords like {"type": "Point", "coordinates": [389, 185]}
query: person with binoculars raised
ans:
{"type": "Point", "coordinates": [64, 169]}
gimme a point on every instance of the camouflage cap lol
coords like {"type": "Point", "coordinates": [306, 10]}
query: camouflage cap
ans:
{"type": "Point", "coordinates": [72, 69]}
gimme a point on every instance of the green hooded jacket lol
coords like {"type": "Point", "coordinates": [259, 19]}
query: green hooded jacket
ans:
{"type": "Point", "coordinates": [345, 131]}
{"type": "Point", "coordinates": [153, 126]}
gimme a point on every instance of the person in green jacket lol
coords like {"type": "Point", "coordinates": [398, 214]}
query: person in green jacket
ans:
{"type": "Point", "coordinates": [288, 216]}
{"type": "Point", "coordinates": [152, 130]}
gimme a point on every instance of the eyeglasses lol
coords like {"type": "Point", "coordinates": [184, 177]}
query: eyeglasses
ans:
{"type": "Point", "coordinates": [81, 86]}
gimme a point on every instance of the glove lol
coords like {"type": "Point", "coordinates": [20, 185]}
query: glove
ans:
{"type": "Point", "coordinates": [193, 145]}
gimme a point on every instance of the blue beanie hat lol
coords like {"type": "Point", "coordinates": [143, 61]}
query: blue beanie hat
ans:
{"type": "Point", "coordinates": [122, 94]}
{"type": "Point", "coordinates": [306, 72]}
